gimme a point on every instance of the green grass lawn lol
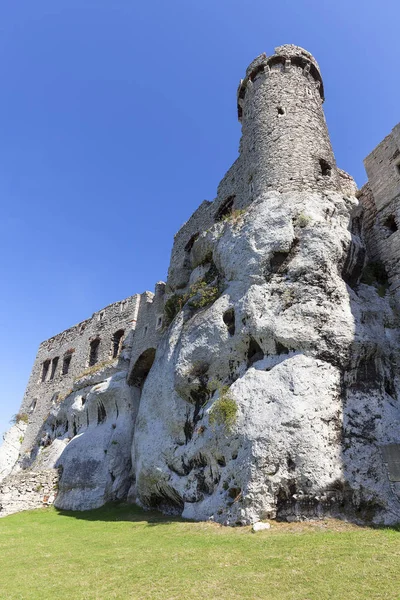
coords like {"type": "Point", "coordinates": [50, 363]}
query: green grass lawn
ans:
{"type": "Point", "coordinates": [124, 552]}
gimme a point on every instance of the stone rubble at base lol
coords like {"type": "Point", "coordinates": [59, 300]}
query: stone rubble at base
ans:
{"type": "Point", "coordinates": [262, 380]}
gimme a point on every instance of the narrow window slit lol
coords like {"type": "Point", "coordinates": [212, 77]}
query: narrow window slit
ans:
{"type": "Point", "coordinates": [45, 369]}
{"type": "Point", "coordinates": [117, 342]}
{"type": "Point", "coordinates": [94, 352]}
{"type": "Point", "coordinates": [54, 367]}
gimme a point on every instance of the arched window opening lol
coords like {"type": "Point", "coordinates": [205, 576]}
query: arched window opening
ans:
{"type": "Point", "coordinates": [54, 367]}
{"type": "Point", "coordinates": [33, 405]}
{"type": "Point", "coordinates": [142, 368]}
{"type": "Point", "coordinates": [190, 243]}
{"type": "Point", "coordinates": [94, 352]}
{"type": "Point", "coordinates": [225, 209]}
{"type": "Point", "coordinates": [45, 369]}
{"type": "Point", "coordinates": [117, 342]}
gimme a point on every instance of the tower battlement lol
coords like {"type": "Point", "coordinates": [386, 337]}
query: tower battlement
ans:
{"type": "Point", "coordinates": [285, 140]}
{"type": "Point", "coordinates": [283, 60]}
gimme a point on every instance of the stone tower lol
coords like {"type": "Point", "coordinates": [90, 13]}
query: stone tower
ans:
{"type": "Point", "coordinates": [285, 139]}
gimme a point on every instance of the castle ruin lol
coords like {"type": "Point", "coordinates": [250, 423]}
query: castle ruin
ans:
{"type": "Point", "coordinates": [262, 379]}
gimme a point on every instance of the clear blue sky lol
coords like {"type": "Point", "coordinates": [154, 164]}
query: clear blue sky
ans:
{"type": "Point", "coordinates": [117, 118]}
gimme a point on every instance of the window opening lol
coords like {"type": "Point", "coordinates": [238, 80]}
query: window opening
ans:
{"type": "Point", "coordinates": [142, 368]}
{"type": "Point", "coordinates": [225, 209]}
{"type": "Point", "coordinates": [326, 169]}
{"type": "Point", "coordinates": [45, 369]}
{"type": "Point", "coordinates": [117, 342]}
{"type": "Point", "coordinates": [94, 352]}
{"type": "Point", "coordinates": [54, 367]}
{"type": "Point", "coordinates": [190, 243]}
{"type": "Point", "coordinates": [66, 364]}
{"type": "Point", "coordinates": [390, 224]}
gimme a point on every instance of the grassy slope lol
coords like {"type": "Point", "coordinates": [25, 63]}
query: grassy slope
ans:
{"type": "Point", "coordinates": [123, 552]}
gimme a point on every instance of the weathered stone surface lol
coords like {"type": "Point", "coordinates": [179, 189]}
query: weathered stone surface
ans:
{"type": "Point", "coordinates": [10, 448]}
{"type": "Point", "coordinates": [95, 466]}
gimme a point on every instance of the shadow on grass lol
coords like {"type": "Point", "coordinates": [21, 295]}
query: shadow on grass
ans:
{"type": "Point", "coordinates": [123, 512]}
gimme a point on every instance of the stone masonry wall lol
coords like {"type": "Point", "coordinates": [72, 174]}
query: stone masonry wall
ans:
{"type": "Point", "coordinates": [381, 201]}
{"type": "Point", "coordinates": [27, 490]}
{"type": "Point", "coordinates": [46, 388]}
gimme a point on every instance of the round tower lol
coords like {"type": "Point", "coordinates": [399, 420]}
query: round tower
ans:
{"type": "Point", "coordinates": [285, 143]}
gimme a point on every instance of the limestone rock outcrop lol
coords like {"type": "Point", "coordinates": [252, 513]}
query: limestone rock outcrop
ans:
{"type": "Point", "coordinates": [10, 448]}
{"type": "Point", "coordinates": [293, 361]}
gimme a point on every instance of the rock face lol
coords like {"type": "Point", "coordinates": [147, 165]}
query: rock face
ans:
{"type": "Point", "coordinates": [262, 381]}
{"type": "Point", "coordinates": [287, 355]}
{"type": "Point", "coordinates": [10, 448]}
{"type": "Point", "coordinates": [86, 441]}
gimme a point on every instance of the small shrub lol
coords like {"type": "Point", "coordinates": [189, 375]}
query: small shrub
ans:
{"type": "Point", "coordinates": [21, 439]}
{"type": "Point", "coordinates": [19, 418]}
{"type": "Point", "coordinates": [224, 410]}
{"type": "Point", "coordinates": [303, 220]}
{"type": "Point", "coordinates": [288, 297]}
{"type": "Point", "coordinates": [234, 217]}
{"type": "Point", "coordinates": [202, 294]}
{"type": "Point", "coordinates": [61, 397]}
{"type": "Point", "coordinates": [172, 306]}
{"type": "Point", "coordinates": [207, 259]}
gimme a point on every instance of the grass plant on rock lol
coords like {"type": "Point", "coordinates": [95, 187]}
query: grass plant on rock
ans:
{"type": "Point", "coordinates": [223, 412]}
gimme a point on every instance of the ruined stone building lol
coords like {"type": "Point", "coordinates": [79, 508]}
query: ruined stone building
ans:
{"type": "Point", "coordinates": [262, 379]}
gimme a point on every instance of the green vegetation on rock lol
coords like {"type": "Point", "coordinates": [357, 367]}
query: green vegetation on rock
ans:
{"type": "Point", "coordinates": [19, 418]}
{"type": "Point", "coordinates": [224, 410]}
